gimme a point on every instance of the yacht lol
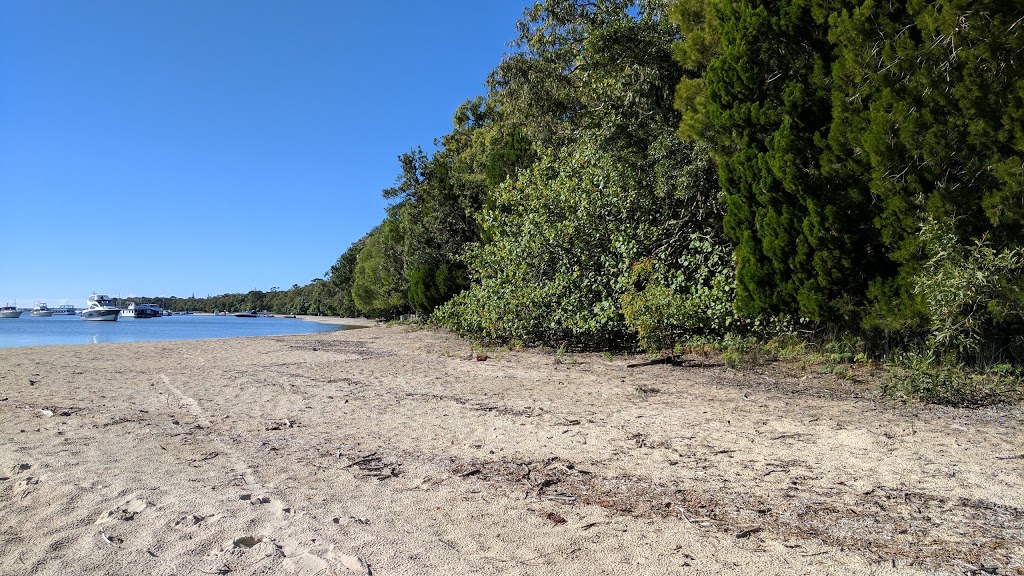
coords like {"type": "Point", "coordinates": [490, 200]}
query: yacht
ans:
{"type": "Point", "coordinates": [100, 307]}
{"type": "Point", "coordinates": [40, 309]}
{"type": "Point", "coordinates": [142, 311]}
{"type": "Point", "coordinates": [8, 311]}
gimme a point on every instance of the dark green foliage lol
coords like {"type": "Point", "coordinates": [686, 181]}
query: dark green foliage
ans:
{"type": "Point", "coordinates": [928, 102]}
{"type": "Point", "coordinates": [840, 128]}
{"type": "Point", "coordinates": [379, 286]}
{"type": "Point", "coordinates": [340, 279]}
{"type": "Point", "coordinates": [430, 287]}
{"type": "Point", "coordinates": [760, 94]}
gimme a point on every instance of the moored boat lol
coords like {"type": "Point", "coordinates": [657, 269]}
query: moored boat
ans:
{"type": "Point", "coordinates": [8, 311]}
{"type": "Point", "coordinates": [100, 307]}
{"type": "Point", "coordinates": [142, 311]}
{"type": "Point", "coordinates": [65, 310]}
{"type": "Point", "coordinates": [40, 309]}
{"type": "Point", "coordinates": [249, 314]}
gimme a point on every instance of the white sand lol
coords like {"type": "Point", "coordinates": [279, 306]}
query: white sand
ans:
{"type": "Point", "coordinates": [384, 451]}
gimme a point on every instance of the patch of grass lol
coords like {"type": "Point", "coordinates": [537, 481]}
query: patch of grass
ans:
{"type": "Point", "coordinates": [919, 377]}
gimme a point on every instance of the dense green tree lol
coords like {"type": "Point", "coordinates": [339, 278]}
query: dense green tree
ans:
{"type": "Point", "coordinates": [928, 110]}
{"type": "Point", "coordinates": [840, 128]}
{"type": "Point", "coordinates": [379, 283]}
{"type": "Point", "coordinates": [340, 277]}
{"type": "Point", "coordinates": [442, 194]}
{"type": "Point", "coordinates": [591, 86]}
{"type": "Point", "coordinates": [759, 92]}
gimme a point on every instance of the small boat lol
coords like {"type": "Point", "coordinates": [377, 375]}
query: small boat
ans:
{"type": "Point", "coordinates": [100, 307]}
{"type": "Point", "coordinates": [168, 313]}
{"type": "Point", "coordinates": [40, 309]}
{"type": "Point", "coordinates": [142, 311]}
{"type": "Point", "coordinates": [8, 311]}
{"type": "Point", "coordinates": [249, 314]}
{"type": "Point", "coordinates": [65, 310]}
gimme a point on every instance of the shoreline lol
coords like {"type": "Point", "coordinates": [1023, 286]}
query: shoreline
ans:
{"type": "Point", "coordinates": [388, 451]}
{"type": "Point", "coordinates": [339, 321]}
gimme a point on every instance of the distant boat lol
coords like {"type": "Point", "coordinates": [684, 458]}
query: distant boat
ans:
{"type": "Point", "coordinates": [100, 307]}
{"type": "Point", "coordinates": [168, 313]}
{"type": "Point", "coordinates": [249, 314]}
{"type": "Point", "coordinates": [40, 309]}
{"type": "Point", "coordinates": [65, 310]}
{"type": "Point", "coordinates": [8, 311]}
{"type": "Point", "coordinates": [142, 311]}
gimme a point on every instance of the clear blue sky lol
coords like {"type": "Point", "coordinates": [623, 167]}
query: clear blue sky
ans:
{"type": "Point", "coordinates": [194, 146]}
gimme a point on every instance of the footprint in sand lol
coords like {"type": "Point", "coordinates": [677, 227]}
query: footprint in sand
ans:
{"type": "Point", "coordinates": [318, 560]}
{"type": "Point", "coordinates": [126, 512]}
{"type": "Point", "coordinates": [276, 507]}
{"type": "Point", "coordinates": [26, 485]}
{"type": "Point", "coordinates": [193, 520]}
{"type": "Point", "coordinates": [246, 542]}
{"type": "Point", "coordinates": [19, 468]}
{"type": "Point", "coordinates": [255, 500]}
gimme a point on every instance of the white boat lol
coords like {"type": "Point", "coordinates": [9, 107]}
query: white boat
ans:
{"type": "Point", "coordinates": [142, 311]}
{"type": "Point", "coordinates": [100, 307]}
{"type": "Point", "coordinates": [40, 309]}
{"type": "Point", "coordinates": [8, 311]}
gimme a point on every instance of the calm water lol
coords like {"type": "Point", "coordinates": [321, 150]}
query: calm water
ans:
{"type": "Point", "coordinates": [36, 331]}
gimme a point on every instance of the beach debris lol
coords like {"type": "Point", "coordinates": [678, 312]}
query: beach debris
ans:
{"type": "Point", "coordinates": [287, 423]}
{"type": "Point", "coordinates": [481, 357]}
{"type": "Point", "coordinates": [196, 461]}
{"type": "Point", "coordinates": [113, 541]}
{"type": "Point", "coordinates": [376, 467]}
{"type": "Point", "coordinates": [556, 518]}
{"type": "Point", "coordinates": [368, 458]}
{"type": "Point", "coordinates": [748, 532]}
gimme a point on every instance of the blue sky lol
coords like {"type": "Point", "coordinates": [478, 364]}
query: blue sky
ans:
{"type": "Point", "coordinates": [171, 148]}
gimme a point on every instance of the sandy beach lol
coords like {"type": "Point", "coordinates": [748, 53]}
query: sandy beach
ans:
{"type": "Point", "coordinates": [390, 451]}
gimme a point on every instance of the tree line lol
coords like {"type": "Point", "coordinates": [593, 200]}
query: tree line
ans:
{"type": "Point", "coordinates": [327, 296]}
{"type": "Point", "coordinates": [652, 171]}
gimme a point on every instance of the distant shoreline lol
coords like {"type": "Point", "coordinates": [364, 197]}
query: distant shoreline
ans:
{"type": "Point", "coordinates": [338, 321]}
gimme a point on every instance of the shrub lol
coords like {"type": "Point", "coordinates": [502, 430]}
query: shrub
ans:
{"type": "Point", "coordinates": [971, 291]}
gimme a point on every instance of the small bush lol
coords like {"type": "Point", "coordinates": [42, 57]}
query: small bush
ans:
{"type": "Point", "coordinates": [971, 291]}
{"type": "Point", "coordinates": [918, 377]}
